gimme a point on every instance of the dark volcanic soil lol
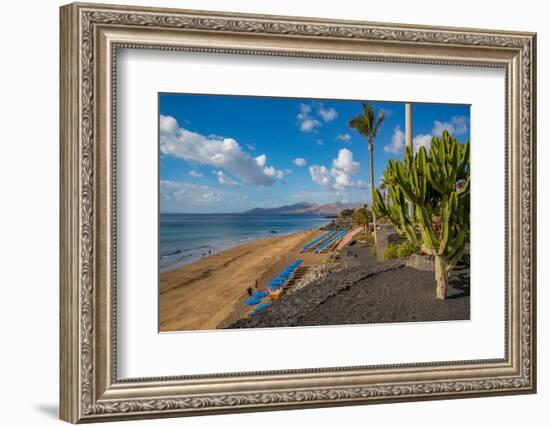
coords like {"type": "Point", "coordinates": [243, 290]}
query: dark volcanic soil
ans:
{"type": "Point", "coordinates": [375, 292]}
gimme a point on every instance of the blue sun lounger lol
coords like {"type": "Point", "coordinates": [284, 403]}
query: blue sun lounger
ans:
{"type": "Point", "coordinates": [318, 240]}
{"type": "Point", "coordinates": [253, 300]}
{"type": "Point", "coordinates": [261, 307]}
{"type": "Point", "coordinates": [322, 247]}
{"type": "Point", "coordinates": [282, 278]}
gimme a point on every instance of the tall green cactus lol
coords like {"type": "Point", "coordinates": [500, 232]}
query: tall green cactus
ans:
{"type": "Point", "coordinates": [438, 184]}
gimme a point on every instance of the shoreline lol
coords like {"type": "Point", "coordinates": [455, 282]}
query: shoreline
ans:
{"type": "Point", "coordinates": [209, 292]}
{"type": "Point", "coordinates": [186, 238]}
{"type": "Point", "coordinates": [228, 246]}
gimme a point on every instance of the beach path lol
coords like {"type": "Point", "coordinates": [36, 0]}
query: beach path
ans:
{"type": "Point", "coordinates": [202, 294]}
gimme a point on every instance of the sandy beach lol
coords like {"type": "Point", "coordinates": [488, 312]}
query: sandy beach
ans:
{"type": "Point", "coordinates": [208, 293]}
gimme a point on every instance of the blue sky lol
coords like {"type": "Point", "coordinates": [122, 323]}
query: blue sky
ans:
{"type": "Point", "coordinates": [233, 153]}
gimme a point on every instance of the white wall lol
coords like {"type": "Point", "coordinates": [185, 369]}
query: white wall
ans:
{"type": "Point", "coordinates": [29, 169]}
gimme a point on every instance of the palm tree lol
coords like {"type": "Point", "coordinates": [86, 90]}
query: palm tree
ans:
{"type": "Point", "coordinates": [368, 126]}
{"type": "Point", "coordinates": [362, 217]}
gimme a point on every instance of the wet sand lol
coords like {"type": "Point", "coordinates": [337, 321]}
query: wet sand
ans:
{"type": "Point", "coordinates": [207, 293]}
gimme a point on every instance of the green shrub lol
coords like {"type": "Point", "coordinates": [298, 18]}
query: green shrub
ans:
{"type": "Point", "coordinates": [390, 252]}
{"type": "Point", "coordinates": [373, 250]}
{"type": "Point", "coordinates": [401, 250]}
{"type": "Point", "coordinates": [406, 249]}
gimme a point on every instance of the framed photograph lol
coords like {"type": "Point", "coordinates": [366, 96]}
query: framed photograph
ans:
{"type": "Point", "coordinates": [266, 212]}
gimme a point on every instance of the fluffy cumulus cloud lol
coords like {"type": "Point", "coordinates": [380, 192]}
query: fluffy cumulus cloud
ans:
{"type": "Point", "coordinates": [305, 121]}
{"type": "Point", "coordinates": [327, 114]}
{"type": "Point", "coordinates": [320, 175]}
{"type": "Point", "coordinates": [340, 176]}
{"type": "Point", "coordinates": [224, 179]}
{"type": "Point", "coordinates": [458, 125]}
{"type": "Point", "coordinates": [346, 137]}
{"type": "Point", "coordinates": [220, 153]}
{"type": "Point", "coordinates": [397, 141]}
{"type": "Point", "coordinates": [311, 116]}
{"type": "Point", "coordinates": [300, 162]}
{"type": "Point", "coordinates": [422, 141]}
{"type": "Point", "coordinates": [345, 163]}
{"type": "Point", "coordinates": [271, 171]}
{"type": "Point", "coordinates": [261, 160]}
{"type": "Point", "coordinates": [268, 170]}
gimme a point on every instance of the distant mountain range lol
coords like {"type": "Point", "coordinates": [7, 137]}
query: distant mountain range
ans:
{"type": "Point", "coordinates": [305, 208]}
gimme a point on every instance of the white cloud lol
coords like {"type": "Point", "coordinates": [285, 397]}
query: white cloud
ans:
{"type": "Point", "coordinates": [305, 121]}
{"type": "Point", "coordinates": [195, 174]}
{"type": "Point", "coordinates": [261, 160]}
{"type": "Point", "coordinates": [321, 175]}
{"type": "Point", "coordinates": [305, 110]}
{"type": "Point", "coordinates": [309, 125]}
{"type": "Point", "coordinates": [218, 152]}
{"type": "Point", "coordinates": [342, 180]}
{"type": "Point", "coordinates": [339, 177]}
{"type": "Point", "coordinates": [251, 147]}
{"type": "Point", "coordinates": [457, 126]}
{"type": "Point", "coordinates": [397, 142]}
{"type": "Point", "coordinates": [346, 137]}
{"type": "Point", "coordinates": [300, 162]}
{"type": "Point", "coordinates": [180, 193]}
{"type": "Point", "coordinates": [422, 141]}
{"type": "Point", "coordinates": [327, 114]}
{"type": "Point", "coordinates": [224, 179]}
{"type": "Point", "coordinates": [345, 163]}
{"type": "Point", "coordinates": [271, 171]}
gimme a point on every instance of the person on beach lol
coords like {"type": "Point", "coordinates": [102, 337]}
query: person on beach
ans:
{"type": "Point", "coordinates": [249, 291]}
{"type": "Point", "coordinates": [256, 285]}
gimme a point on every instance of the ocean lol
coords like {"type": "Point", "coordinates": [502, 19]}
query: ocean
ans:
{"type": "Point", "coordinates": [185, 238]}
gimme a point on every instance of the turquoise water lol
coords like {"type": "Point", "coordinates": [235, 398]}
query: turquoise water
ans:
{"type": "Point", "coordinates": [184, 238]}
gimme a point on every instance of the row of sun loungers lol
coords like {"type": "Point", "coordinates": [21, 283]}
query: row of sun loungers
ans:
{"type": "Point", "coordinates": [282, 278]}
{"type": "Point", "coordinates": [275, 288]}
{"type": "Point", "coordinates": [326, 242]}
{"type": "Point", "coordinates": [330, 242]}
{"type": "Point", "coordinates": [313, 243]}
{"type": "Point", "coordinates": [280, 283]}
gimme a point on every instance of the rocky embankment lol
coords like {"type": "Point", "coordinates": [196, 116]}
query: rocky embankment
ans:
{"type": "Point", "coordinates": [375, 293]}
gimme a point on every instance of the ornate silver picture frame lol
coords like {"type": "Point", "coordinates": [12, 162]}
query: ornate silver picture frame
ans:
{"type": "Point", "coordinates": [91, 34]}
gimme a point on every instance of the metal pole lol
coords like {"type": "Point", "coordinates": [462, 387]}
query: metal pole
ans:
{"type": "Point", "coordinates": [409, 140]}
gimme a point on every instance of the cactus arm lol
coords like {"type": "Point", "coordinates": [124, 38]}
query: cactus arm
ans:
{"type": "Point", "coordinates": [430, 180]}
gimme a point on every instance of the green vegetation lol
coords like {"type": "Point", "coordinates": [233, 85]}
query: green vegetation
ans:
{"type": "Point", "coordinates": [362, 217]}
{"type": "Point", "coordinates": [368, 126]}
{"type": "Point", "coordinates": [438, 184]}
{"type": "Point", "coordinates": [390, 252]}
{"type": "Point", "coordinates": [346, 213]}
{"type": "Point", "coordinates": [373, 250]}
{"type": "Point", "coordinates": [401, 250]}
